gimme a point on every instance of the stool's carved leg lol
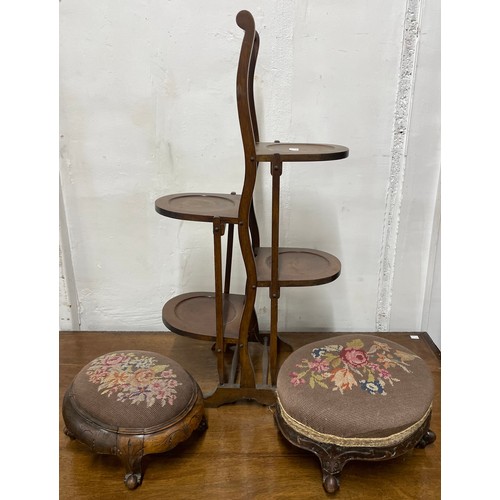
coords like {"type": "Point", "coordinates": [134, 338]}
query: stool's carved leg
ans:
{"type": "Point", "coordinates": [131, 451]}
{"type": "Point", "coordinates": [332, 463]}
{"type": "Point", "coordinates": [428, 438]}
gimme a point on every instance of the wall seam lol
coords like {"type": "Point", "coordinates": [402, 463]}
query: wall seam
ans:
{"type": "Point", "coordinates": [66, 263]}
{"type": "Point", "coordinates": [431, 267]}
{"type": "Point", "coordinates": [394, 193]}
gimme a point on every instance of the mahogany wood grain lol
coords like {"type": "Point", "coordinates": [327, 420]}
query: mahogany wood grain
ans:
{"type": "Point", "coordinates": [201, 207]}
{"type": "Point", "coordinates": [242, 455]}
{"type": "Point", "coordinates": [299, 152]}
{"type": "Point", "coordinates": [213, 317]}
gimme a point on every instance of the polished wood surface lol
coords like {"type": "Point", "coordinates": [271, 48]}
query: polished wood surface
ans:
{"type": "Point", "coordinates": [202, 207]}
{"type": "Point", "coordinates": [296, 267]}
{"type": "Point", "coordinates": [242, 454]}
{"type": "Point", "coordinates": [292, 152]}
{"type": "Point", "coordinates": [226, 318]}
{"type": "Point", "coordinates": [194, 315]}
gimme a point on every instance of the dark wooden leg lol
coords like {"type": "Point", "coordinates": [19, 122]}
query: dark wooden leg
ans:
{"type": "Point", "coordinates": [247, 373]}
{"type": "Point", "coordinates": [331, 457]}
{"type": "Point", "coordinates": [274, 289]}
{"type": "Point", "coordinates": [218, 230]}
{"type": "Point", "coordinates": [130, 452]}
{"type": "Point", "coordinates": [273, 342]}
{"type": "Point", "coordinates": [229, 257]}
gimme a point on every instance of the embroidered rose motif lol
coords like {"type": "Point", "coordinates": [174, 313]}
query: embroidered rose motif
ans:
{"type": "Point", "coordinates": [296, 380]}
{"type": "Point", "coordinates": [354, 357]}
{"type": "Point", "coordinates": [319, 365]}
{"type": "Point", "coordinates": [143, 377]}
{"type": "Point", "coordinates": [113, 359]}
{"type": "Point", "coordinates": [336, 367]}
{"type": "Point", "coordinates": [134, 378]}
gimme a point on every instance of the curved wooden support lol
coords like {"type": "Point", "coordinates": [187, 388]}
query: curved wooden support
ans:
{"type": "Point", "coordinates": [245, 20]}
{"type": "Point", "coordinates": [228, 393]}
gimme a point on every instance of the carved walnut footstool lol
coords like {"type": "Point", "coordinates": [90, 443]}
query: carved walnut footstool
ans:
{"type": "Point", "coordinates": [130, 404]}
{"type": "Point", "coordinates": [354, 397]}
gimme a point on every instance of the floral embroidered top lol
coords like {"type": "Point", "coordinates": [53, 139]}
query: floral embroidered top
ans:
{"type": "Point", "coordinates": [341, 368]}
{"type": "Point", "coordinates": [134, 378]}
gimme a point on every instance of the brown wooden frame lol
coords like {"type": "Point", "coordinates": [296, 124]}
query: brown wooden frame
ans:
{"type": "Point", "coordinates": [333, 457]}
{"type": "Point", "coordinates": [131, 445]}
{"type": "Point", "coordinates": [255, 257]}
{"type": "Point", "coordinates": [265, 267]}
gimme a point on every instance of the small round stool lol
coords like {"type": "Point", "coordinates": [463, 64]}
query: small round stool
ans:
{"type": "Point", "coordinates": [131, 404]}
{"type": "Point", "coordinates": [354, 397]}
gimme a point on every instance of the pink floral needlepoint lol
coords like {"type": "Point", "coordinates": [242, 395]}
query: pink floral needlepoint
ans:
{"type": "Point", "coordinates": [341, 368]}
{"type": "Point", "coordinates": [134, 378]}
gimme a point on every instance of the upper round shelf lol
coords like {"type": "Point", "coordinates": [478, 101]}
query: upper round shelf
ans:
{"type": "Point", "coordinates": [201, 207]}
{"type": "Point", "coordinates": [289, 151]}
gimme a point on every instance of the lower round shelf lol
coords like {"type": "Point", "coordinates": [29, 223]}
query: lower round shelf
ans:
{"type": "Point", "coordinates": [193, 315]}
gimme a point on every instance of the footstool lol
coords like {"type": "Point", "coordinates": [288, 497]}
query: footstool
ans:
{"type": "Point", "coordinates": [354, 397]}
{"type": "Point", "coordinates": [131, 404]}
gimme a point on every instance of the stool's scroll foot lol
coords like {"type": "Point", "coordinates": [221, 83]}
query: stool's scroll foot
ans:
{"type": "Point", "coordinates": [203, 425]}
{"type": "Point", "coordinates": [69, 434]}
{"type": "Point", "coordinates": [428, 438]}
{"type": "Point", "coordinates": [132, 480]}
{"type": "Point", "coordinates": [331, 482]}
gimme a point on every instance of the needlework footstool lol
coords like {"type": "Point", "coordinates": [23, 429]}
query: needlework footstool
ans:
{"type": "Point", "coordinates": [131, 404]}
{"type": "Point", "coordinates": [354, 397]}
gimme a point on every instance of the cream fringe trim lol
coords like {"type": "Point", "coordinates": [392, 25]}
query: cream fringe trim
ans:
{"type": "Point", "coordinates": [340, 441]}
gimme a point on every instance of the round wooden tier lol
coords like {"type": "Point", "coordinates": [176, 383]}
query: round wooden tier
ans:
{"type": "Point", "coordinates": [193, 315]}
{"type": "Point", "coordinates": [288, 151]}
{"type": "Point", "coordinates": [201, 207]}
{"type": "Point", "coordinates": [297, 267]}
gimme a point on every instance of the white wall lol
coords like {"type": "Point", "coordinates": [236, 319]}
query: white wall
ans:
{"type": "Point", "coordinates": [148, 108]}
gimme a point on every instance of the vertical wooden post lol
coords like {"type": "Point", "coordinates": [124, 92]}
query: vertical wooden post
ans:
{"type": "Point", "coordinates": [219, 312]}
{"type": "Point", "coordinates": [274, 290]}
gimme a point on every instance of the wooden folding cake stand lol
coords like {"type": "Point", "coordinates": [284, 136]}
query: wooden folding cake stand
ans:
{"type": "Point", "coordinates": [229, 319]}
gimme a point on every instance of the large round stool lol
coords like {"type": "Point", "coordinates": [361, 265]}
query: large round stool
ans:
{"type": "Point", "coordinates": [131, 404]}
{"type": "Point", "coordinates": [354, 397]}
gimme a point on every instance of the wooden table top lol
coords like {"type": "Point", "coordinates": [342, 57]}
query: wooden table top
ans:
{"type": "Point", "coordinates": [242, 455]}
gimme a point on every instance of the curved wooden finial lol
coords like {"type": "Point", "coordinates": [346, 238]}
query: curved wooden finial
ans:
{"type": "Point", "coordinates": [245, 20]}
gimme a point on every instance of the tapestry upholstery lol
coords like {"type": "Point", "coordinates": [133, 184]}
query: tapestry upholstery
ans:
{"type": "Point", "coordinates": [133, 390]}
{"type": "Point", "coordinates": [355, 390]}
